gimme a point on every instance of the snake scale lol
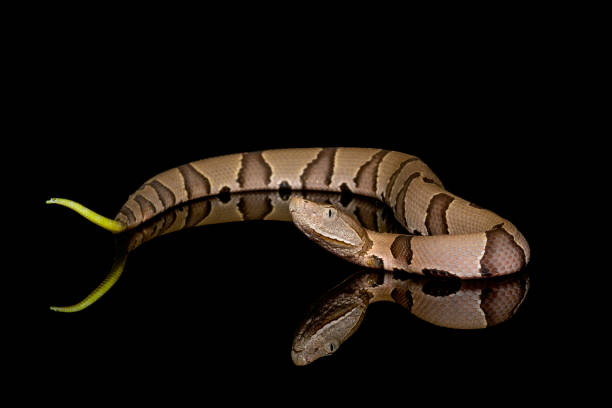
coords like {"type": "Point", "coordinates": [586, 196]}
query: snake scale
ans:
{"type": "Point", "coordinates": [448, 236]}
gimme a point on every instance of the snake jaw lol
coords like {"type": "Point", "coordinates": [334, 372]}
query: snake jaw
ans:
{"type": "Point", "coordinates": [330, 240]}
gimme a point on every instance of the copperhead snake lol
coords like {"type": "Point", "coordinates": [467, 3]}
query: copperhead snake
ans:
{"type": "Point", "coordinates": [448, 236]}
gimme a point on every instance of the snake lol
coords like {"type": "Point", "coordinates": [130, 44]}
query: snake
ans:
{"type": "Point", "coordinates": [444, 235]}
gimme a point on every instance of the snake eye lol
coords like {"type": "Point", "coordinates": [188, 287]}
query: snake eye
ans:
{"type": "Point", "coordinates": [329, 213]}
{"type": "Point", "coordinates": [331, 347]}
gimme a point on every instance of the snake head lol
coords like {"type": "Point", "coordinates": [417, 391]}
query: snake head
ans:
{"type": "Point", "coordinates": [330, 227]}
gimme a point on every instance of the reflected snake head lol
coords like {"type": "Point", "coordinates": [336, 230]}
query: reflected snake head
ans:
{"type": "Point", "coordinates": [330, 322]}
{"type": "Point", "coordinates": [330, 227]}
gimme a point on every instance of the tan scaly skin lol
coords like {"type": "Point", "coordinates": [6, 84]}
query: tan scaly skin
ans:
{"type": "Point", "coordinates": [450, 236]}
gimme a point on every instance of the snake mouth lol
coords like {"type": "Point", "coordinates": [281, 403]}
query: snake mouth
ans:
{"type": "Point", "coordinates": [319, 237]}
{"type": "Point", "coordinates": [333, 241]}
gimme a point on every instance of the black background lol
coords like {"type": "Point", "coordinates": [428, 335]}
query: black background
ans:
{"type": "Point", "coordinates": [488, 115]}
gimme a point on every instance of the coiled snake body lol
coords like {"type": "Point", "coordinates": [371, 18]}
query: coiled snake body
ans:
{"type": "Point", "coordinates": [449, 236]}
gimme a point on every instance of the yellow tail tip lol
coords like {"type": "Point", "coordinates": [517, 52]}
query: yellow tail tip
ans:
{"type": "Point", "coordinates": [106, 223]}
{"type": "Point", "coordinates": [74, 308]}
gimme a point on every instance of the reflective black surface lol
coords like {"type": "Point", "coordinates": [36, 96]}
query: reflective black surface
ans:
{"type": "Point", "coordinates": [230, 296]}
{"type": "Point", "coordinates": [226, 299]}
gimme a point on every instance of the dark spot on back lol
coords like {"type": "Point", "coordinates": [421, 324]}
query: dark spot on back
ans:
{"type": "Point", "coordinates": [346, 195]}
{"type": "Point", "coordinates": [284, 190]}
{"type": "Point", "coordinates": [225, 195]}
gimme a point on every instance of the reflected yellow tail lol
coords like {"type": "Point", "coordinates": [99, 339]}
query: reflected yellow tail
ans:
{"type": "Point", "coordinates": [121, 254]}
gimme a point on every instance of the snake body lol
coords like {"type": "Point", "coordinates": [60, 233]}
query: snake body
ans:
{"type": "Point", "coordinates": [447, 236]}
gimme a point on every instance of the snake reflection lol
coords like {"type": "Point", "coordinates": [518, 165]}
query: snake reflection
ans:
{"type": "Point", "coordinates": [451, 303]}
